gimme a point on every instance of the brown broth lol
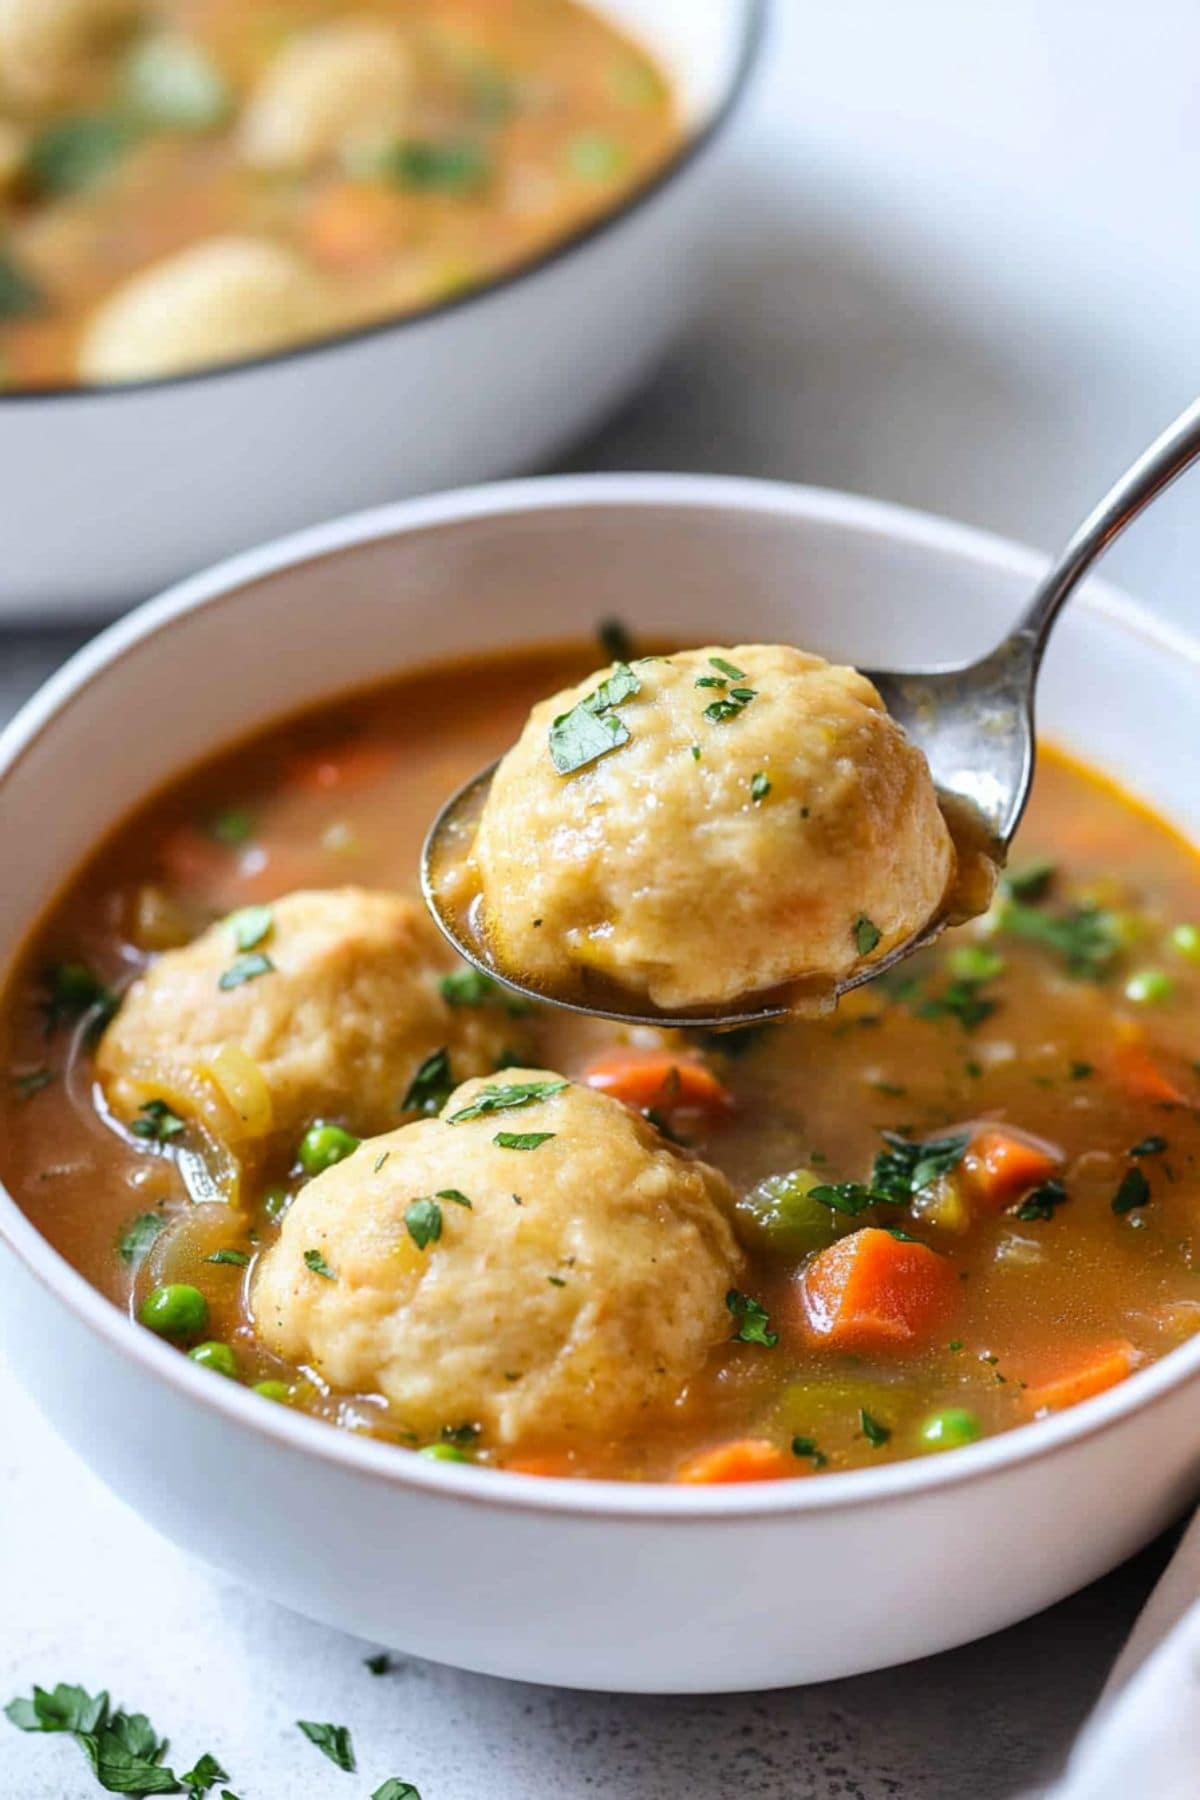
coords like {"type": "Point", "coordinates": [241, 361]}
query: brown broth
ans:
{"type": "Point", "coordinates": [346, 793]}
{"type": "Point", "coordinates": [567, 114]}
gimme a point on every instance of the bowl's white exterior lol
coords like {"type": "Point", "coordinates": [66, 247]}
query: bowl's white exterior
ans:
{"type": "Point", "coordinates": [105, 495]}
{"type": "Point", "coordinates": [586, 1584]}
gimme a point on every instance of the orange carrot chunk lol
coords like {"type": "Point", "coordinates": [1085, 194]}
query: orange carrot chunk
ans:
{"type": "Point", "coordinates": [655, 1079]}
{"type": "Point", "coordinates": [353, 226]}
{"type": "Point", "coordinates": [343, 769]}
{"type": "Point", "coordinates": [1084, 1373]}
{"type": "Point", "coordinates": [1001, 1164]}
{"type": "Point", "coordinates": [545, 1463]}
{"type": "Point", "coordinates": [745, 1459]}
{"type": "Point", "coordinates": [1140, 1075]}
{"type": "Point", "coordinates": [871, 1291]}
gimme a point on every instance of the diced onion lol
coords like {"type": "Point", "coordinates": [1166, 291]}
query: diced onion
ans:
{"type": "Point", "coordinates": [242, 1083]}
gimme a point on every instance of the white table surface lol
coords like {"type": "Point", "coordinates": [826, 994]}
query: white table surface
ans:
{"type": "Point", "coordinates": [959, 269]}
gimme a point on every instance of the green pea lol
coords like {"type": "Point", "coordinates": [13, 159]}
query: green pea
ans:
{"type": "Point", "coordinates": [1185, 941]}
{"type": "Point", "coordinates": [273, 1390]}
{"type": "Point", "coordinates": [974, 962]}
{"type": "Point", "coordinates": [950, 1430]}
{"type": "Point", "coordinates": [778, 1216]}
{"type": "Point", "coordinates": [275, 1202]}
{"type": "Point", "coordinates": [444, 1453]}
{"type": "Point", "coordinates": [1149, 987]}
{"type": "Point", "coordinates": [323, 1145]}
{"type": "Point", "coordinates": [216, 1356]}
{"type": "Point", "coordinates": [175, 1311]}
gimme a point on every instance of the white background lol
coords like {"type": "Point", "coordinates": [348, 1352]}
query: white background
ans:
{"type": "Point", "coordinates": [959, 268]}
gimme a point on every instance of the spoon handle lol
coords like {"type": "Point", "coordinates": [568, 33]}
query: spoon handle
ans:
{"type": "Point", "coordinates": [1156, 468]}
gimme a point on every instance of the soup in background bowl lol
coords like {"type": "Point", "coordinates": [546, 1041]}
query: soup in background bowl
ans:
{"type": "Point", "coordinates": [1018, 1115]}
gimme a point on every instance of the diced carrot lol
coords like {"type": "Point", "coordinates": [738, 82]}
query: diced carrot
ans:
{"type": "Point", "coordinates": [355, 225]}
{"type": "Point", "coordinates": [190, 859]}
{"type": "Point", "coordinates": [746, 1459]}
{"type": "Point", "coordinates": [656, 1079]}
{"type": "Point", "coordinates": [1141, 1076]}
{"type": "Point", "coordinates": [871, 1291]}
{"type": "Point", "coordinates": [1087, 1372]}
{"type": "Point", "coordinates": [351, 766]}
{"type": "Point", "coordinates": [546, 1463]}
{"type": "Point", "coordinates": [1001, 1164]}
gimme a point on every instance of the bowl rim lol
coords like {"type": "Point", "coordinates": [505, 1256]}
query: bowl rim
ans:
{"type": "Point", "coordinates": [694, 145]}
{"type": "Point", "coordinates": [366, 1458]}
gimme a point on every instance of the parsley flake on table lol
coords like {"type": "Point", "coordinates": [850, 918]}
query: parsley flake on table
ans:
{"type": "Point", "coordinates": [752, 1321]}
{"type": "Point", "coordinates": [332, 1740]}
{"type": "Point", "coordinates": [522, 1140]}
{"type": "Point", "coordinates": [500, 1096]}
{"type": "Point", "coordinates": [395, 1789]}
{"type": "Point", "coordinates": [591, 728]}
{"type": "Point", "coordinates": [246, 968]}
{"type": "Point", "coordinates": [123, 1749]}
{"type": "Point", "coordinates": [316, 1262]}
{"type": "Point", "coordinates": [379, 1664]}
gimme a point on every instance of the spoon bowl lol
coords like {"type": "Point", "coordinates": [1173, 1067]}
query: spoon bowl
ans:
{"type": "Point", "coordinates": [974, 723]}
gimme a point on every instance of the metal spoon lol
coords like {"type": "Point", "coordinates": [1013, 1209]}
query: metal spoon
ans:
{"type": "Point", "coordinates": [973, 721]}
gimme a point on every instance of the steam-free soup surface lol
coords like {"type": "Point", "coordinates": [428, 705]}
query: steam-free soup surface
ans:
{"type": "Point", "coordinates": [1002, 1141]}
{"type": "Point", "coordinates": [193, 181]}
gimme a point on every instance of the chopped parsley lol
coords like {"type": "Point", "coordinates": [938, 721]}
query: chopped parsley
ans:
{"type": "Point", "coordinates": [591, 728]}
{"type": "Point", "coordinates": [760, 787]}
{"type": "Point", "coordinates": [461, 1435]}
{"type": "Point", "coordinates": [431, 1086]}
{"type": "Point", "coordinates": [752, 1321]}
{"type": "Point", "coordinates": [31, 1082]}
{"type": "Point", "coordinates": [123, 1749]}
{"type": "Point", "coordinates": [727, 668]}
{"type": "Point", "coordinates": [960, 999]}
{"type": "Point", "coordinates": [1085, 937]}
{"type": "Point", "coordinates": [157, 1123]}
{"type": "Point", "coordinates": [205, 1775]}
{"type": "Point", "coordinates": [500, 1096]}
{"type": "Point", "coordinates": [332, 1740]}
{"type": "Point", "coordinates": [251, 926]}
{"type": "Point", "coordinates": [246, 968]}
{"type": "Point", "coordinates": [456, 166]}
{"type": "Point", "coordinates": [556, 1281]}
{"type": "Point", "coordinates": [71, 154]}
{"type": "Point", "coordinates": [850, 1197]}
{"type": "Point", "coordinates": [455, 1194]}
{"type": "Point", "coordinates": [1134, 1191]}
{"type": "Point", "coordinates": [19, 294]}
{"type": "Point", "coordinates": [395, 1789]}
{"type": "Point", "coordinates": [316, 1262]}
{"type": "Point", "coordinates": [232, 828]}
{"type": "Point", "coordinates": [1081, 1070]}
{"type": "Point", "coordinates": [730, 705]}
{"type": "Point", "coordinates": [876, 1433]}
{"type": "Point", "coordinates": [471, 987]}
{"type": "Point", "coordinates": [899, 1173]}
{"type": "Point", "coordinates": [1031, 880]}
{"type": "Point", "coordinates": [616, 640]}
{"type": "Point", "coordinates": [423, 1221]}
{"type": "Point", "coordinates": [1043, 1202]}
{"type": "Point", "coordinates": [379, 1664]}
{"type": "Point", "coordinates": [236, 1259]}
{"type": "Point", "coordinates": [522, 1140]}
{"type": "Point", "coordinates": [1149, 1146]}
{"type": "Point", "coordinates": [807, 1447]}
{"type": "Point", "coordinates": [379, 1161]}
{"type": "Point", "coordinates": [866, 934]}
{"type": "Point", "coordinates": [72, 992]}
{"type": "Point", "coordinates": [138, 1236]}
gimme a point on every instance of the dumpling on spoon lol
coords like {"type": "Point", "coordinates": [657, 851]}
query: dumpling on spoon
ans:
{"type": "Point", "coordinates": [701, 827]}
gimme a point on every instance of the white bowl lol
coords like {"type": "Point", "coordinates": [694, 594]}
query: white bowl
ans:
{"type": "Point", "coordinates": [589, 1584]}
{"type": "Point", "coordinates": [108, 493]}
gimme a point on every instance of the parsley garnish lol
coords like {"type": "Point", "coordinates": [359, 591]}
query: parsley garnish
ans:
{"type": "Point", "coordinates": [616, 640]}
{"type": "Point", "coordinates": [1043, 1202]}
{"type": "Point", "coordinates": [232, 828]}
{"type": "Point", "coordinates": [236, 1259]}
{"type": "Point", "coordinates": [423, 1220]}
{"type": "Point", "coordinates": [379, 1161]}
{"type": "Point", "coordinates": [18, 294]}
{"type": "Point", "coordinates": [1031, 880]}
{"type": "Point", "coordinates": [1149, 1146]}
{"type": "Point", "coordinates": [461, 1435]}
{"type": "Point", "coordinates": [760, 787]}
{"type": "Point", "coordinates": [471, 987]}
{"type": "Point", "coordinates": [806, 1446]}
{"type": "Point", "coordinates": [499, 1096]}
{"type": "Point", "coordinates": [124, 1750]}
{"type": "Point", "coordinates": [1081, 1070]}
{"type": "Point", "coordinates": [1133, 1191]}
{"type": "Point", "coordinates": [431, 1086]}
{"type": "Point", "coordinates": [866, 934]}
{"type": "Point", "coordinates": [332, 1740]}
{"type": "Point", "coordinates": [908, 1165]}
{"type": "Point", "coordinates": [425, 165]}
{"type": "Point", "coordinates": [31, 1082]}
{"type": "Point", "coordinates": [876, 1434]}
{"type": "Point", "coordinates": [158, 1124]}
{"type": "Point", "coordinates": [73, 992]}
{"type": "Point", "coordinates": [850, 1197]}
{"type": "Point", "coordinates": [455, 1194]}
{"type": "Point", "coordinates": [521, 1140]}
{"type": "Point", "coordinates": [730, 705]}
{"type": "Point", "coordinates": [379, 1664]}
{"type": "Point", "coordinates": [138, 1236]}
{"type": "Point", "coordinates": [961, 1000]}
{"type": "Point", "coordinates": [395, 1789]}
{"type": "Point", "coordinates": [1084, 936]}
{"type": "Point", "coordinates": [316, 1262]}
{"type": "Point", "coordinates": [246, 968]}
{"type": "Point", "coordinates": [205, 1775]}
{"type": "Point", "coordinates": [591, 728]}
{"type": "Point", "coordinates": [727, 668]}
{"type": "Point", "coordinates": [251, 926]}
{"type": "Point", "coordinates": [753, 1323]}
